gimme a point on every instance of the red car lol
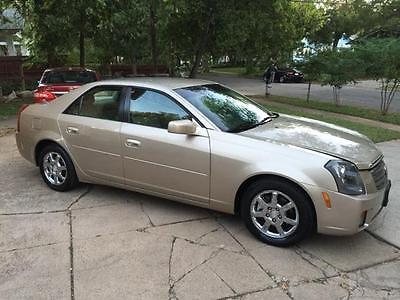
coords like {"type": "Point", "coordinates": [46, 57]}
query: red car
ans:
{"type": "Point", "coordinates": [59, 81]}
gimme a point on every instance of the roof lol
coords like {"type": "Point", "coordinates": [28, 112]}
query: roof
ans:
{"type": "Point", "coordinates": [65, 69]}
{"type": "Point", "coordinates": [157, 82]}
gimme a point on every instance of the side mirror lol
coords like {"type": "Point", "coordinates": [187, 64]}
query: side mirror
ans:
{"type": "Point", "coordinates": [182, 127]}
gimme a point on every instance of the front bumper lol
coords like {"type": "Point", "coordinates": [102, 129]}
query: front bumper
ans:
{"type": "Point", "coordinates": [348, 214]}
{"type": "Point", "coordinates": [294, 78]}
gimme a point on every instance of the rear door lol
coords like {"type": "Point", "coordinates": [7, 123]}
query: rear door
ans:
{"type": "Point", "coordinates": [159, 161]}
{"type": "Point", "coordinates": [91, 129]}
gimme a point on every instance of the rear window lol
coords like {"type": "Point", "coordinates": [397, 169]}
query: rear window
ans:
{"type": "Point", "coordinates": [59, 77]}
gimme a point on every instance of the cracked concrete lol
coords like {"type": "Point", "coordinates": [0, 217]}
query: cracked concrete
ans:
{"type": "Point", "coordinates": [104, 243]}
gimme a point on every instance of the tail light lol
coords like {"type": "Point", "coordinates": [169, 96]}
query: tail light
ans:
{"type": "Point", "coordinates": [43, 96]}
{"type": "Point", "coordinates": [20, 110]}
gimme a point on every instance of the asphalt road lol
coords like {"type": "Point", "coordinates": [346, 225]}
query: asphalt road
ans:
{"type": "Point", "coordinates": [363, 94]}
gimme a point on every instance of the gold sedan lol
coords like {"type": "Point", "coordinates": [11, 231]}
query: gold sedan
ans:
{"type": "Point", "coordinates": [201, 143]}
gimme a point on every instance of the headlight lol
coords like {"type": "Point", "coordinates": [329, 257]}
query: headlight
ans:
{"type": "Point", "coordinates": [347, 178]}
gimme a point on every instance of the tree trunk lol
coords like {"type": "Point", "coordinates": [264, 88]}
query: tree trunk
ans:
{"type": "Point", "coordinates": [336, 95]}
{"type": "Point", "coordinates": [308, 91]}
{"type": "Point", "coordinates": [387, 94]}
{"type": "Point", "coordinates": [81, 48]}
{"type": "Point", "coordinates": [153, 40]}
{"type": "Point", "coordinates": [201, 44]}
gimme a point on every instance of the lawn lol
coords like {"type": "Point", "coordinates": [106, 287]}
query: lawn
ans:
{"type": "Point", "coordinates": [361, 112]}
{"type": "Point", "coordinates": [239, 71]}
{"type": "Point", "coordinates": [229, 70]}
{"type": "Point", "coordinates": [376, 134]}
{"type": "Point", "coordinates": [10, 109]}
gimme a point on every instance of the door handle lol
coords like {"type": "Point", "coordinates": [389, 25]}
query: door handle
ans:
{"type": "Point", "coordinates": [132, 143]}
{"type": "Point", "coordinates": [72, 130]}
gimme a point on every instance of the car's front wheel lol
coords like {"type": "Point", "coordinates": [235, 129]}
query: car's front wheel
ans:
{"type": "Point", "coordinates": [57, 169]}
{"type": "Point", "coordinates": [277, 212]}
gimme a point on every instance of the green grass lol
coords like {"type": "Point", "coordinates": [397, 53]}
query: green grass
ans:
{"type": "Point", "coordinates": [238, 71]}
{"type": "Point", "coordinates": [229, 70]}
{"type": "Point", "coordinates": [376, 134]}
{"type": "Point", "coordinates": [367, 113]}
{"type": "Point", "coordinates": [8, 110]}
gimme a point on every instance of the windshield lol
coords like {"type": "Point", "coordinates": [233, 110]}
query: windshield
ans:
{"type": "Point", "coordinates": [60, 77]}
{"type": "Point", "coordinates": [228, 110]}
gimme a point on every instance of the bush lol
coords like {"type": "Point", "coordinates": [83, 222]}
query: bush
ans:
{"type": "Point", "coordinates": [8, 86]}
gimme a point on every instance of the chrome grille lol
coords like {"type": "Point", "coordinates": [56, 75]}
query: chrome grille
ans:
{"type": "Point", "coordinates": [379, 174]}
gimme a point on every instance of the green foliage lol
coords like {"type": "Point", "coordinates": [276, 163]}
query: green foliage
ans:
{"type": "Point", "coordinates": [339, 67]}
{"type": "Point", "coordinates": [195, 33]}
{"type": "Point", "coordinates": [8, 86]}
{"type": "Point", "coordinates": [332, 67]}
{"type": "Point", "coordinates": [312, 66]}
{"type": "Point", "coordinates": [122, 32]}
{"type": "Point", "coordinates": [340, 19]}
{"type": "Point", "coordinates": [255, 32]}
{"type": "Point", "coordinates": [381, 59]}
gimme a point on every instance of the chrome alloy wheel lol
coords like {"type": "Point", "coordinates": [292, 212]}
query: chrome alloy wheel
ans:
{"type": "Point", "coordinates": [54, 168]}
{"type": "Point", "coordinates": [274, 214]}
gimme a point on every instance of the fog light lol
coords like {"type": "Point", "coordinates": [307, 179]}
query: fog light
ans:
{"type": "Point", "coordinates": [327, 199]}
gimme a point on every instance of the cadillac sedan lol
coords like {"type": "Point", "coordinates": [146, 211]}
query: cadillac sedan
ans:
{"type": "Point", "coordinates": [201, 143]}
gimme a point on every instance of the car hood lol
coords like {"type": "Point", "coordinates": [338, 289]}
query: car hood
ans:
{"type": "Point", "coordinates": [319, 136]}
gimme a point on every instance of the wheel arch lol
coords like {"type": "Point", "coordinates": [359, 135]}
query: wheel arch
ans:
{"type": "Point", "coordinates": [257, 177]}
{"type": "Point", "coordinates": [41, 145]}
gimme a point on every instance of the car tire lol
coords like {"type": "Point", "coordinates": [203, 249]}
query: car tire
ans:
{"type": "Point", "coordinates": [281, 79]}
{"type": "Point", "coordinates": [57, 168]}
{"type": "Point", "coordinates": [281, 222]}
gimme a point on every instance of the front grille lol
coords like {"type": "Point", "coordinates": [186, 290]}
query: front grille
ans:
{"type": "Point", "coordinates": [379, 173]}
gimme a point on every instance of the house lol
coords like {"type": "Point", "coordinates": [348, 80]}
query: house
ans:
{"type": "Point", "coordinates": [11, 25]}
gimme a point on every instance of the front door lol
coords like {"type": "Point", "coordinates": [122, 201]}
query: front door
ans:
{"type": "Point", "coordinates": [91, 129]}
{"type": "Point", "coordinates": [159, 161]}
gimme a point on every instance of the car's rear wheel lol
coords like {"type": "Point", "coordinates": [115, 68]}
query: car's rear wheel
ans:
{"type": "Point", "coordinates": [277, 212]}
{"type": "Point", "coordinates": [57, 169]}
{"type": "Point", "coordinates": [282, 79]}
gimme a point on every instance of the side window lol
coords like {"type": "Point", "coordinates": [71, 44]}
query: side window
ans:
{"type": "Point", "coordinates": [154, 109]}
{"type": "Point", "coordinates": [100, 103]}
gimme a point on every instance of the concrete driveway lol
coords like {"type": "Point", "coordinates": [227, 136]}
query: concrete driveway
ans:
{"type": "Point", "coordinates": [104, 243]}
{"type": "Point", "coordinates": [363, 94]}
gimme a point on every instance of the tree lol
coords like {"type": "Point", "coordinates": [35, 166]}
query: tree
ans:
{"type": "Point", "coordinates": [191, 28]}
{"type": "Point", "coordinates": [338, 69]}
{"type": "Point", "coordinates": [341, 20]}
{"type": "Point", "coordinates": [311, 66]}
{"type": "Point", "coordinates": [43, 28]}
{"type": "Point", "coordinates": [380, 18]}
{"type": "Point", "coordinates": [257, 31]}
{"type": "Point", "coordinates": [381, 58]}
{"type": "Point", "coordinates": [131, 42]}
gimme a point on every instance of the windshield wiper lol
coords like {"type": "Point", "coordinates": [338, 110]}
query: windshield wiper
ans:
{"type": "Point", "coordinates": [274, 115]}
{"type": "Point", "coordinates": [245, 127]}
